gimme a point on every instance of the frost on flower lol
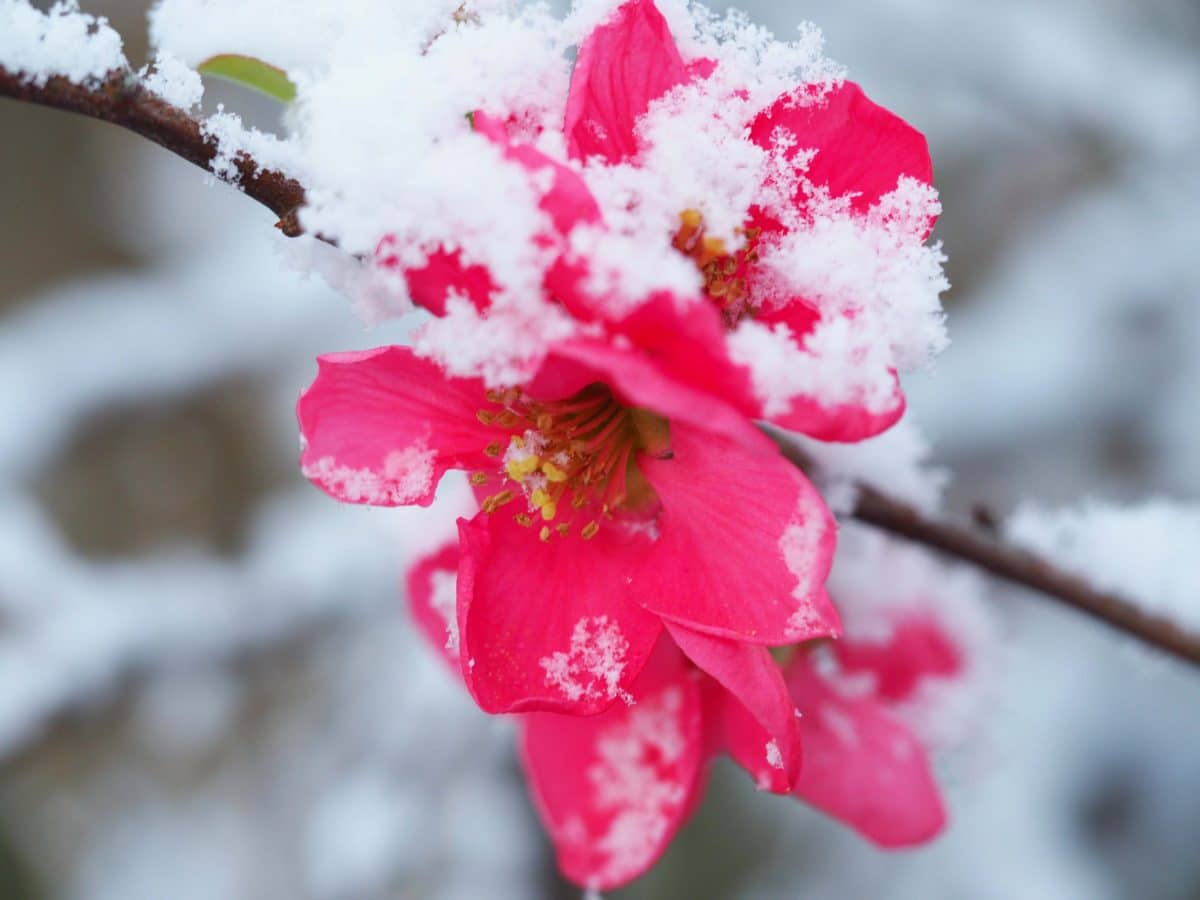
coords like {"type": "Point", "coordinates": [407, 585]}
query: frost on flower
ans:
{"type": "Point", "coordinates": [593, 665]}
{"type": "Point", "coordinates": [1145, 552]}
{"type": "Point", "coordinates": [623, 158]}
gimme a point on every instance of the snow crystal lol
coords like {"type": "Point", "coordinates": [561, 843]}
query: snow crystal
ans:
{"type": "Point", "coordinates": [234, 138]}
{"type": "Point", "coordinates": [63, 42]}
{"type": "Point", "coordinates": [174, 81]}
{"type": "Point", "coordinates": [632, 777]}
{"type": "Point", "coordinates": [877, 286]}
{"type": "Point", "coordinates": [425, 179]}
{"type": "Point", "coordinates": [406, 476]}
{"type": "Point", "coordinates": [591, 669]}
{"type": "Point", "coordinates": [444, 600]}
{"type": "Point", "coordinates": [1145, 552]}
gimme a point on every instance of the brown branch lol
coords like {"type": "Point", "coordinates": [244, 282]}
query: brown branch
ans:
{"type": "Point", "coordinates": [121, 100]}
{"type": "Point", "coordinates": [980, 547]}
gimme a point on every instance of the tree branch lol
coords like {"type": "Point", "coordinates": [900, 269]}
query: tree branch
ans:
{"type": "Point", "coordinates": [121, 100]}
{"type": "Point", "coordinates": [981, 548]}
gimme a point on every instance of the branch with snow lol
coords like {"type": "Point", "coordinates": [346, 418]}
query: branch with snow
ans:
{"type": "Point", "coordinates": [72, 61]}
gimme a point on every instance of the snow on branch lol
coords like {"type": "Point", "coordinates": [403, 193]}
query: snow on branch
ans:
{"type": "Point", "coordinates": [69, 60]}
{"type": "Point", "coordinates": [1147, 552]}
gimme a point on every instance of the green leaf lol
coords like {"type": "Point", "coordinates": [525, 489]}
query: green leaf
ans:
{"type": "Point", "coordinates": [251, 72]}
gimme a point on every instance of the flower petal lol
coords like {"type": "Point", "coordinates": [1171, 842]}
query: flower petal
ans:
{"type": "Point", "coordinates": [638, 379]}
{"type": "Point", "coordinates": [568, 200]}
{"type": "Point", "coordinates": [382, 427]}
{"type": "Point", "coordinates": [862, 148]}
{"type": "Point", "coordinates": [549, 625]}
{"type": "Point", "coordinates": [623, 65]}
{"type": "Point", "coordinates": [752, 707]}
{"type": "Point", "coordinates": [614, 789]}
{"type": "Point", "coordinates": [917, 648]}
{"type": "Point", "coordinates": [862, 766]}
{"type": "Point", "coordinates": [433, 600]}
{"type": "Point", "coordinates": [746, 543]}
{"type": "Point", "coordinates": [843, 422]}
{"type": "Point", "coordinates": [445, 274]}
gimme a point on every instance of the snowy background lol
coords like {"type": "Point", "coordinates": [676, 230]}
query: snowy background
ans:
{"type": "Point", "coordinates": [208, 687]}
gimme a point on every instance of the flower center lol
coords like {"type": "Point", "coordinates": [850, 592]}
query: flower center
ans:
{"type": "Point", "coordinates": [574, 460]}
{"type": "Point", "coordinates": [724, 272]}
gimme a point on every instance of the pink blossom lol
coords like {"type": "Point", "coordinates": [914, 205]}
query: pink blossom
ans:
{"type": "Point", "coordinates": [613, 499]}
{"type": "Point", "coordinates": [613, 789]}
{"type": "Point", "coordinates": [862, 152]}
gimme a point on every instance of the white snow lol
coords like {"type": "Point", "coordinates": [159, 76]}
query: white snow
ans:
{"type": "Point", "coordinates": [63, 41]}
{"type": "Point", "coordinates": [592, 667]}
{"type": "Point", "coordinates": [1146, 552]}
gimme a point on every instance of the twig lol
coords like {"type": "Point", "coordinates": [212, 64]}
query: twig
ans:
{"type": "Point", "coordinates": [119, 99]}
{"type": "Point", "coordinates": [980, 547]}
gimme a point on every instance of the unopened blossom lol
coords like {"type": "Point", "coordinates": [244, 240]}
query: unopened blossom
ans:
{"type": "Point", "coordinates": [613, 789]}
{"type": "Point", "coordinates": [612, 500]}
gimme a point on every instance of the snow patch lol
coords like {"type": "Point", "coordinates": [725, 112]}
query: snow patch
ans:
{"type": "Point", "coordinates": [592, 668]}
{"type": "Point", "coordinates": [405, 477]}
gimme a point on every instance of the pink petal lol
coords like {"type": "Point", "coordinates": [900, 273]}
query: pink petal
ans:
{"type": "Point", "coordinates": [918, 648]}
{"type": "Point", "coordinates": [745, 546]}
{"type": "Point", "coordinates": [568, 200]}
{"type": "Point", "coordinates": [862, 148]}
{"type": "Point", "coordinates": [844, 422]}
{"type": "Point", "coordinates": [637, 378]}
{"type": "Point", "coordinates": [382, 426]}
{"type": "Point", "coordinates": [862, 766]}
{"type": "Point", "coordinates": [432, 284]}
{"type": "Point", "coordinates": [549, 625]}
{"type": "Point", "coordinates": [622, 67]}
{"type": "Point", "coordinates": [432, 597]}
{"type": "Point", "coordinates": [614, 789]}
{"type": "Point", "coordinates": [752, 707]}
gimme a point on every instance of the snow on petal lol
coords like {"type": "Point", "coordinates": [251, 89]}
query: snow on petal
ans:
{"type": "Point", "coordinates": [592, 668]}
{"type": "Point", "coordinates": [614, 788]}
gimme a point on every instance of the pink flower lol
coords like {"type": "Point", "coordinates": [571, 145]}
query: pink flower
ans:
{"type": "Point", "coordinates": [862, 152]}
{"type": "Point", "coordinates": [613, 789]}
{"type": "Point", "coordinates": [612, 500]}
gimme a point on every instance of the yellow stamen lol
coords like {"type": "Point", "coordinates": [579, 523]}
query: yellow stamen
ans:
{"type": "Point", "coordinates": [539, 498]}
{"type": "Point", "coordinates": [518, 469]}
{"type": "Point", "coordinates": [563, 529]}
{"type": "Point", "coordinates": [553, 472]}
{"type": "Point", "coordinates": [479, 478]}
{"type": "Point", "coordinates": [589, 530]}
{"type": "Point", "coordinates": [549, 510]}
{"type": "Point", "coordinates": [485, 417]}
{"type": "Point", "coordinates": [524, 519]}
{"type": "Point", "coordinates": [494, 502]}
{"type": "Point", "coordinates": [544, 534]}
{"type": "Point", "coordinates": [492, 449]}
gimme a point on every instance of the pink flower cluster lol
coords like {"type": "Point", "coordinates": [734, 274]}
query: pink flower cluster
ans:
{"type": "Point", "coordinates": [644, 581]}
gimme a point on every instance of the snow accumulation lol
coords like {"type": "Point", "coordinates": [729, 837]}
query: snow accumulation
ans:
{"type": "Point", "coordinates": [1146, 552]}
{"type": "Point", "coordinates": [63, 41]}
{"type": "Point", "coordinates": [380, 136]}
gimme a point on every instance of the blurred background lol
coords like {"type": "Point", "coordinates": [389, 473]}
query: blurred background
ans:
{"type": "Point", "coordinates": [208, 685]}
